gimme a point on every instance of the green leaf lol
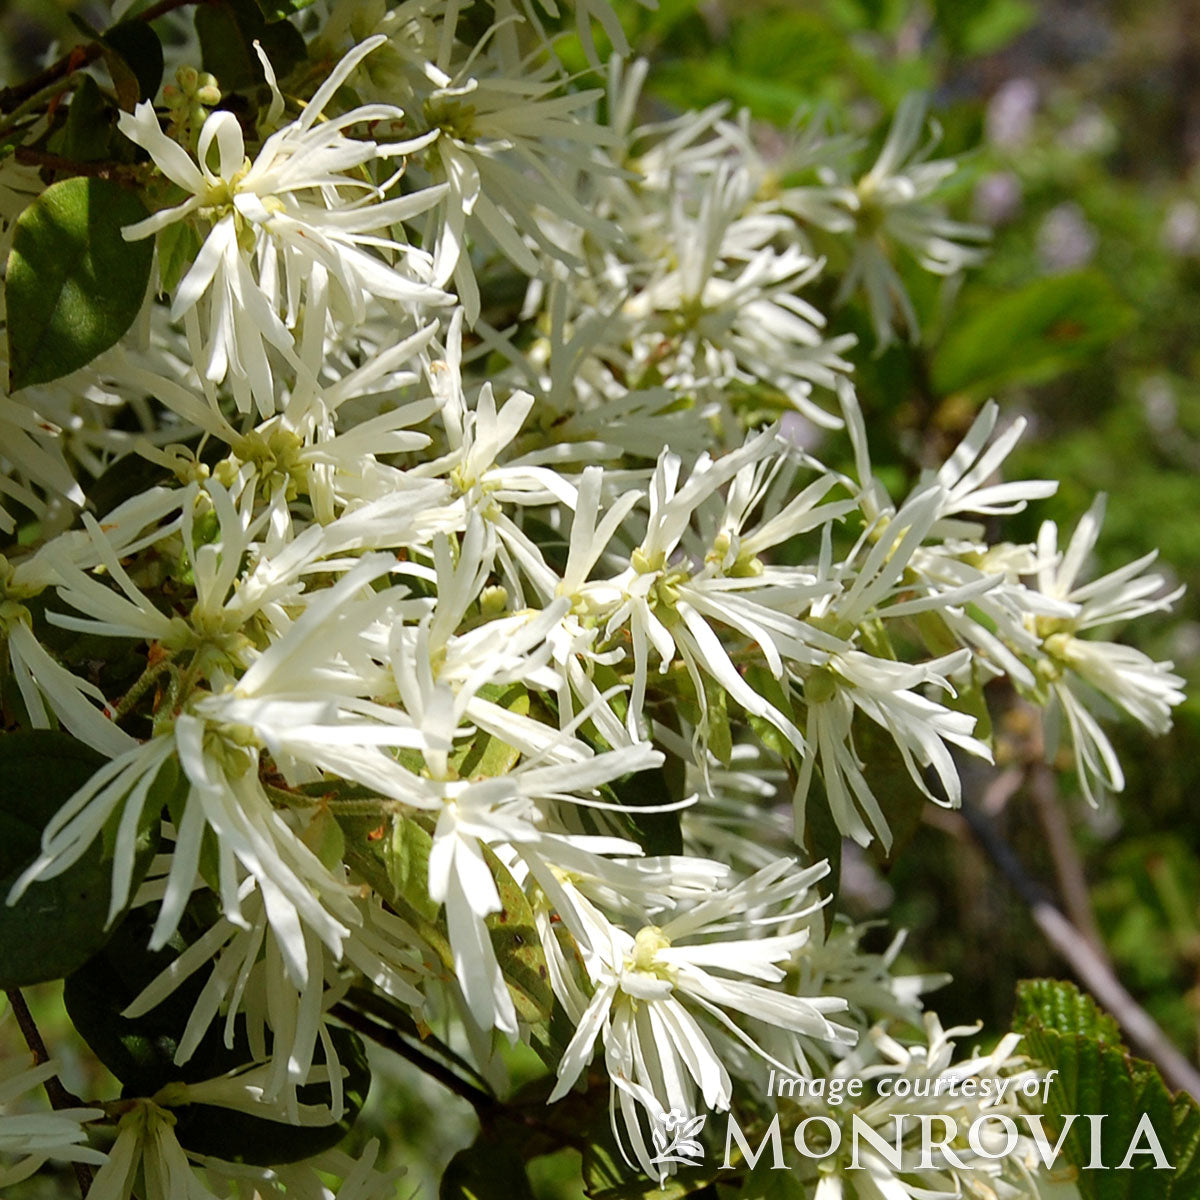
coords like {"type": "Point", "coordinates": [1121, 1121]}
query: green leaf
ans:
{"type": "Point", "coordinates": [140, 1051]}
{"type": "Point", "coordinates": [491, 1168]}
{"type": "Point", "coordinates": [486, 756]}
{"type": "Point", "coordinates": [73, 284]}
{"type": "Point", "coordinates": [228, 29]}
{"type": "Point", "coordinates": [1060, 1007]}
{"type": "Point", "coordinates": [607, 1176]}
{"type": "Point", "coordinates": [89, 126]}
{"type": "Point", "coordinates": [823, 840]}
{"type": "Point", "coordinates": [392, 855]}
{"type": "Point", "coordinates": [279, 10]}
{"type": "Point", "coordinates": [324, 837]}
{"type": "Point", "coordinates": [1039, 332]}
{"type": "Point", "coordinates": [134, 57]}
{"type": "Point", "coordinates": [406, 860]}
{"type": "Point", "coordinates": [1185, 1118]}
{"type": "Point", "coordinates": [371, 849]}
{"type": "Point", "coordinates": [518, 948]}
{"type": "Point", "coordinates": [655, 832]}
{"type": "Point", "coordinates": [58, 923]}
{"type": "Point", "coordinates": [982, 27]}
{"type": "Point", "coordinates": [901, 800]}
{"type": "Point", "coordinates": [1065, 1031]}
{"type": "Point", "coordinates": [178, 246]}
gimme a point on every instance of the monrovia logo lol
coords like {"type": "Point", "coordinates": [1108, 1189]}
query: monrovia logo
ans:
{"type": "Point", "coordinates": [989, 1137]}
{"type": "Point", "coordinates": [674, 1136]}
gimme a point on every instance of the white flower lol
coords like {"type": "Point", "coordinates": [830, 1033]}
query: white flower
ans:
{"type": "Point", "coordinates": [922, 730]}
{"type": "Point", "coordinates": [30, 1139]}
{"type": "Point", "coordinates": [1079, 671]}
{"type": "Point", "coordinates": [891, 208]}
{"type": "Point", "coordinates": [271, 221]}
{"type": "Point", "coordinates": [721, 306]}
{"type": "Point", "coordinates": [663, 996]}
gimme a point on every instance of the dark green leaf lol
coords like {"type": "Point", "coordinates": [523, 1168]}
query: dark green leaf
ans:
{"type": "Point", "coordinates": [89, 124]}
{"type": "Point", "coordinates": [489, 1169]}
{"type": "Point", "coordinates": [655, 832]}
{"type": "Point", "coordinates": [279, 10]}
{"type": "Point", "coordinates": [607, 1176]}
{"type": "Point", "coordinates": [140, 1051]}
{"type": "Point", "coordinates": [823, 840]}
{"type": "Point", "coordinates": [1062, 1008]}
{"type": "Point", "coordinates": [135, 45]}
{"type": "Point", "coordinates": [984, 26]}
{"type": "Point", "coordinates": [228, 30]}
{"type": "Point", "coordinates": [59, 923]}
{"type": "Point", "coordinates": [73, 284]}
{"type": "Point", "coordinates": [239, 1137]}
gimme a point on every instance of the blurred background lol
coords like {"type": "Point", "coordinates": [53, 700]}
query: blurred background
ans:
{"type": "Point", "coordinates": [1078, 126]}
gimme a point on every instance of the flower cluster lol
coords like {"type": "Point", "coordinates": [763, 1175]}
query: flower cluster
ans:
{"type": "Point", "coordinates": [489, 579]}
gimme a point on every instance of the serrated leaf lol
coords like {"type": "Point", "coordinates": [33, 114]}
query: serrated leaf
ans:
{"type": "Point", "coordinates": [1063, 1008]}
{"type": "Point", "coordinates": [59, 923]}
{"type": "Point", "coordinates": [73, 284]}
{"type": "Point", "coordinates": [1064, 1030]}
{"type": "Point", "coordinates": [1185, 1119]}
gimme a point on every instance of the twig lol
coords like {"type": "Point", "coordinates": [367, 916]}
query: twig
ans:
{"type": "Point", "coordinates": [31, 157]}
{"type": "Point", "coordinates": [386, 1010]}
{"type": "Point", "coordinates": [1095, 973]}
{"type": "Point", "coordinates": [59, 1096]}
{"type": "Point", "coordinates": [78, 56]}
{"type": "Point", "coordinates": [389, 1039]}
{"type": "Point", "coordinates": [1068, 867]}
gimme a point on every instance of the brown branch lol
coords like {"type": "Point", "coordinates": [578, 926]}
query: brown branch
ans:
{"type": "Point", "coordinates": [30, 157]}
{"type": "Point", "coordinates": [59, 1096]}
{"type": "Point", "coordinates": [78, 56]}
{"type": "Point", "coordinates": [1068, 867]}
